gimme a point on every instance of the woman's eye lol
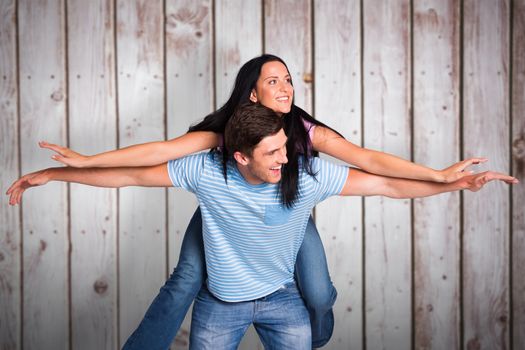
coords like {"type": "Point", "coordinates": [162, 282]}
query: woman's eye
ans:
{"type": "Point", "coordinates": [272, 82]}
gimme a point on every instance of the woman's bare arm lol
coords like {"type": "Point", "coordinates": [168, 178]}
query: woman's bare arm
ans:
{"type": "Point", "coordinates": [380, 163]}
{"type": "Point", "coordinates": [146, 154]}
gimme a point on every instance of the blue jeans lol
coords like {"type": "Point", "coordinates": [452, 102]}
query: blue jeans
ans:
{"type": "Point", "coordinates": [280, 319]}
{"type": "Point", "coordinates": [164, 317]}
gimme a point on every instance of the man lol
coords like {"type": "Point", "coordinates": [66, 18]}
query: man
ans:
{"type": "Point", "coordinates": [250, 238]}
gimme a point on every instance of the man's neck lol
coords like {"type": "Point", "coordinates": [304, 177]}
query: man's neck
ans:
{"type": "Point", "coordinates": [247, 175]}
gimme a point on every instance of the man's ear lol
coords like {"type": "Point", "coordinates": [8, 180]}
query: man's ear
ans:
{"type": "Point", "coordinates": [253, 96]}
{"type": "Point", "coordinates": [241, 158]}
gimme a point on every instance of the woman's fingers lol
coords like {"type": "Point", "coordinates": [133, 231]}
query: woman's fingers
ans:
{"type": "Point", "coordinates": [58, 149]}
{"type": "Point", "coordinates": [471, 161]}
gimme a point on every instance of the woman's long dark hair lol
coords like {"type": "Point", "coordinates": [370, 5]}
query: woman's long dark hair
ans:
{"type": "Point", "coordinates": [299, 142]}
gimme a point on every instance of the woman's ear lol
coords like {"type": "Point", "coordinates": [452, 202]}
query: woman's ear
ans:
{"type": "Point", "coordinates": [253, 96]}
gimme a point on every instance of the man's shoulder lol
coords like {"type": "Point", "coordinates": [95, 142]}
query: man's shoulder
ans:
{"type": "Point", "coordinates": [204, 158]}
{"type": "Point", "coordinates": [315, 165]}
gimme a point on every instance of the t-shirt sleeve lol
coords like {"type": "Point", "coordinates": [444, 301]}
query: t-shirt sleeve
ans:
{"type": "Point", "coordinates": [186, 172]}
{"type": "Point", "coordinates": [310, 127]}
{"type": "Point", "coordinates": [330, 177]}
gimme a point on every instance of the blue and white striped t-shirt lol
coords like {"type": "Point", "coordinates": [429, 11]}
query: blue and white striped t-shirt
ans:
{"type": "Point", "coordinates": [250, 239]}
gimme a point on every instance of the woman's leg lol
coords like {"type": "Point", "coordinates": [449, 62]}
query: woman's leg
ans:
{"type": "Point", "coordinates": [313, 278]}
{"type": "Point", "coordinates": [166, 313]}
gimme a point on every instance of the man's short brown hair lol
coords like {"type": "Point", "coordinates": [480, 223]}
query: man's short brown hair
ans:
{"type": "Point", "coordinates": [250, 123]}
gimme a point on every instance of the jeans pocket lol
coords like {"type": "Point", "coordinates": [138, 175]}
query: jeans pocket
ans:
{"type": "Point", "coordinates": [276, 215]}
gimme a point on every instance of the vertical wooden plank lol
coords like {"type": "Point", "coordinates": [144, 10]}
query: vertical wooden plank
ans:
{"type": "Point", "coordinates": [486, 214]}
{"type": "Point", "coordinates": [337, 61]}
{"type": "Point", "coordinates": [518, 166]}
{"type": "Point", "coordinates": [238, 38]}
{"type": "Point", "coordinates": [10, 235]}
{"type": "Point", "coordinates": [142, 211]}
{"type": "Point", "coordinates": [436, 144]}
{"type": "Point", "coordinates": [288, 34]}
{"type": "Point", "coordinates": [92, 123]}
{"type": "Point", "coordinates": [189, 42]}
{"type": "Point", "coordinates": [43, 115]}
{"type": "Point", "coordinates": [386, 79]}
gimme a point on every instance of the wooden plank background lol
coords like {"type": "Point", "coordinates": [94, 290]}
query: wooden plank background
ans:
{"type": "Point", "coordinates": [92, 106]}
{"type": "Point", "coordinates": [432, 81]}
{"type": "Point", "coordinates": [437, 232]}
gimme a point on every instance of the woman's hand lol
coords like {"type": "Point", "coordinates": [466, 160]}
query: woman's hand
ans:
{"type": "Point", "coordinates": [65, 155]}
{"type": "Point", "coordinates": [458, 170]}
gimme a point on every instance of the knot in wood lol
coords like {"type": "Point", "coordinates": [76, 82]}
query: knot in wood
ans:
{"type": "Point", "coordinates": [100, 286]}
{"type": "Point", "coordinates": [518, 149]}
{"type": "Point", "coordinates": [57, 96]}
{"type": "Point", "coordinates": [307, 78]}
{"type": "Point", "coordinates": [473, 344]}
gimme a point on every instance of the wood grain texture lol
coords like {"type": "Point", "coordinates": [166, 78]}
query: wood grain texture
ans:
{"type": "Point", "coordinates": [437, 227]}
{"type": "Point", "coordinates": [288, 34]}
{"type": "Point", "coordinates": [486, 214]}
{"type": "Point", "coordinates": [10, 234]}
{"type": "Point", "coordinates": [337, 82]}
{"type": "Point", "coordinates": [518, 167]}
{"type": "Point", "coordinates": [189, 41]}
{"type": "Point", "coordinates": [386, 79]}
{"type": "Point", "coordinates": [238, 38]}
{"type": "Point", "coordinates": [42, 113]}
{"type": "Point", "coordinates": [45, 223]}
{"type": "Point", "coordinates": [92, 129]}
{"type": "Point", "coordinates": [142, 211]}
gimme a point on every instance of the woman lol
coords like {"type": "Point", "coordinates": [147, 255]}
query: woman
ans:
{"type": "Point", "coordinates": [266, 80]}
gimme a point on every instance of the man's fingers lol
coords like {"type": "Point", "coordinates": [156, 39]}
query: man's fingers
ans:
{"type": "Point", "coordinates": [14, 199]}
{"type": "Point", "coordinates": [14, 185]}
{"type": "Point", "coordinates": [490, 176]}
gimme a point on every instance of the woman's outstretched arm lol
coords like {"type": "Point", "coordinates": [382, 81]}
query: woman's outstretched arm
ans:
{"type": "Point", "coordinates": [380, 163]}
{"type": "Point", "coordinates": [146, 154]}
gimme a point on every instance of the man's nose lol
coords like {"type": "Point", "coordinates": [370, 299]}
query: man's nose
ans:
{"type": "Point", "coordinates": [283, 158]}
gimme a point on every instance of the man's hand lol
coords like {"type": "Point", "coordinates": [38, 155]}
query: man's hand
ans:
{"type": "Point", "coordinates": [360, 183]}
{"type": "Point", "coordinates": [476, 182]}
{"type": "Point", "coordinates": [152, 176]}
{"type": "Point", "coordinates": [16, 190]}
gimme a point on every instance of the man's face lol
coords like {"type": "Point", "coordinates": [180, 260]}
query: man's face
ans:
{"type": "Point", "coordinates": [266, 161]}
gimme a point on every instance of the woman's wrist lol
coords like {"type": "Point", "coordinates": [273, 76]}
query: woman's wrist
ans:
{"type": "Point", "coordinates": [88, 162]}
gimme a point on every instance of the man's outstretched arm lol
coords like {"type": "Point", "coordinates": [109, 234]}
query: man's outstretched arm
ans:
{"type": "Point", "coordinates": [154, 176]}
{"type": "Point", "coordinates": [360, 183]}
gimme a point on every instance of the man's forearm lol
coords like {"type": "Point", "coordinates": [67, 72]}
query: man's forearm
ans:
{"type": "Point", "coordinates": [154, 176]}
{"type": "Point", "coordinates": [403, 188]}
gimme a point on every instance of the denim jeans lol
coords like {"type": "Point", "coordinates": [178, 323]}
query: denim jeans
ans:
{"type": "Point", "coordinates": [164, 317]}
{"type": "Point", "coordinates": [280, 319]}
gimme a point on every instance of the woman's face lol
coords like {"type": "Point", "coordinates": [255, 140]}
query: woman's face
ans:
{"type": "Point", "coordinates": [274, 88]}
